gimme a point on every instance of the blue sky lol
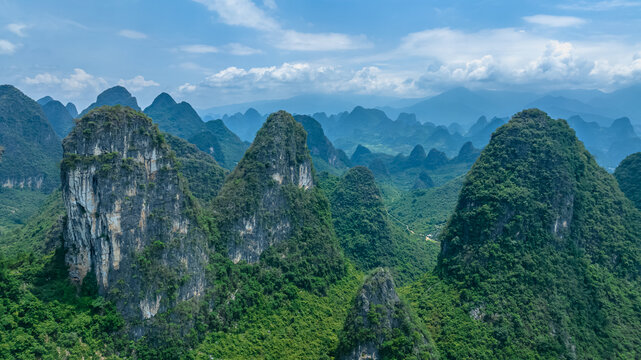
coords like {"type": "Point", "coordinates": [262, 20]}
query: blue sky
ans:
{"type": "Point", "coordinates": [216, 52]}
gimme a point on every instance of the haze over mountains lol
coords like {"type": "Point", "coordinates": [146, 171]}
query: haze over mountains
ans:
{"type": "Point", "coordinates": [464, 106]}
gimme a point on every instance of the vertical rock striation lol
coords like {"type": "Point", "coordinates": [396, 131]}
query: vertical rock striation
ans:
{"type": "Point", "coordinates": [254, 199]}
{"type": "Point", "coordinates": [129, 225]}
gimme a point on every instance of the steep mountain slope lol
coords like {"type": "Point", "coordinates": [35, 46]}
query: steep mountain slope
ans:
{"type": "Point", "coordinates": [543, 249]}
{"type": "Point", "coordinates": [116, 95]}
{"type": "Point", "coordinates": [58, 117]}
{"type": "Point", "coordinates": [31, 152]}
{"type": "Point", "coordinates": [628, 175]}
{"type": "Point", "coordinates": [319, 145]}
{"type": "Point", "coordinates": [130, 225]}
{"type": "Point", "coordinates": [71, 108]}
{"type": "Point", "coordinates": [177, 119]}
{"type": "Point", "coordinates": [381, 326]}
{"type": "Point", "coordinates": [204, 175]}
{"type": "Point", "coordinates": [270, 209]}
{"type": "Point", "coordinates": [231, 146]}
{"type": "Point", "coordinates": [368, 236]}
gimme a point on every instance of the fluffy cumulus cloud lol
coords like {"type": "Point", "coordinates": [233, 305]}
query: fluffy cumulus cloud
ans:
{"type": "Point", "coordinates": [73, 83]}
{"type": "Point", "coordinates": [132, 34]}
{"type": "Point", "coordinates": [247, 14]}
{"type": "Point", "coordinates": [137, 83]}
{"type": "Point", "coordinates": [7, 47]}
{"type": "Point", "coordinates": [512, 57]}
{"type": "Point", "coordinates": [290, 79]}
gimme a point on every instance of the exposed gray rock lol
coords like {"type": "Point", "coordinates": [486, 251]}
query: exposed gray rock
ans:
{"type": "Point", "coordinates": [129, 222]}
{"type": "Point", "coordinates": [253, 201]}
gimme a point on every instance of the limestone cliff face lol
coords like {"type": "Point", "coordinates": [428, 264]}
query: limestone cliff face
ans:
{"type": "Point", "coordinates": [379, 316]}
{"type": "Point", "coordinates": [128, 225]}
{"type": "Point", "coordinates": [253, 201]}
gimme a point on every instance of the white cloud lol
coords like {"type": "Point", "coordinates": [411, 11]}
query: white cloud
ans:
{"type": "Point", "coordinates": [199, 49]}
{"type": "Point", "coordinates": [554, 21]}
{"type": "Point", "coordinates": [245, 13]}
{"type": "Point", "coordinates": [132, 34]}
{"type": "Point", "coordinates": [17, 29]}
{"type": "Point", "coordinates": [7, 47]}
{"type": "Point", "coordinates": [240, 49]}
{"type": "Point", "coordinates": [137, 83]}
{"type": "Point", "coordinates": [241, 13]}
{"type": "Point", "coordinates": [81, 80]}
{"type": "Point", "coordinates": [42, 79]}
{"type": "Point", "coordinates": [186, 88]}
{"type": "Point", "coordinates": [294, 40]}
{"type": "Point", "coordinates": [290, 79]}
{"type": "Point", "coordinates": [75, 82]}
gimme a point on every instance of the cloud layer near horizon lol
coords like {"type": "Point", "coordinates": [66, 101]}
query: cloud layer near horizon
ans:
{"type": "Point", "coordinates": [213, 52]}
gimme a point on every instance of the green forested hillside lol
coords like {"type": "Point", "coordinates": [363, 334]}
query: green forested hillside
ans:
{"type": "Point", "coordinates": [628, 175]}
{"type": "Point", "coordinates": [542, 249]}
{"type": "Point", "coordinates": [31, 152]}
{"type": "Point", "coordinates": [367, 234]}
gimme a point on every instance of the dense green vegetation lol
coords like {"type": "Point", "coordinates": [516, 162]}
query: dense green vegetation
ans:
{"type": "Point", "coordinates": [42, 316]}
{"type": "Point", "coordinates": [426, 211]}
{"type": "Point", "coordinates": [40, 234]}
{"type": "Point", "coordinates": [379, 323]}
{"type": "Point", "coordinates": [539, 251]}
{"type": "Point", "coordinates": [204, 175]}
{"type": "Point", "coordinates": [367, 235]}
{"type": "Point", "coordinates": [290, 324]}
{"type": "Point", "coordinates": [544, 248]}
{"type": "Point", "coordinates": [628, 175]}
{"type": "Point", "coordinates": [29, 161]}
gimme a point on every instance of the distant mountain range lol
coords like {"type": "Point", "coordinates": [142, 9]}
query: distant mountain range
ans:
{"type": "Point", "coordinates": [463, 106]}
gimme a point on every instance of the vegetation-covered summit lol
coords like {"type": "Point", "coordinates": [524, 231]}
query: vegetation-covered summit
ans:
{"type": "Point", "coordinates": [381, 326]}
{"type": "Point", "coordinates": [544, 249]}
{"type": "Point", "coordinates": [270, 209]}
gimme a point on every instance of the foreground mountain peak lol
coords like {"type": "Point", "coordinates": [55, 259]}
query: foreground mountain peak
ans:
{"type": "Point", "coordinates": [129, 227]}
{"type": "Point", "coordinates": [538, 222]}
{"type": "Point", "coordinates": [381, 326]}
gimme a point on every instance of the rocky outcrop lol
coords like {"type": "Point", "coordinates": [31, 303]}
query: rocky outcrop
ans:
{"type": "Point", "coordinates": [253, 204]}
{"type": "Point", "coordinates": [379, 319]}
{"type": "Point", "coordinates": [129, 225]}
